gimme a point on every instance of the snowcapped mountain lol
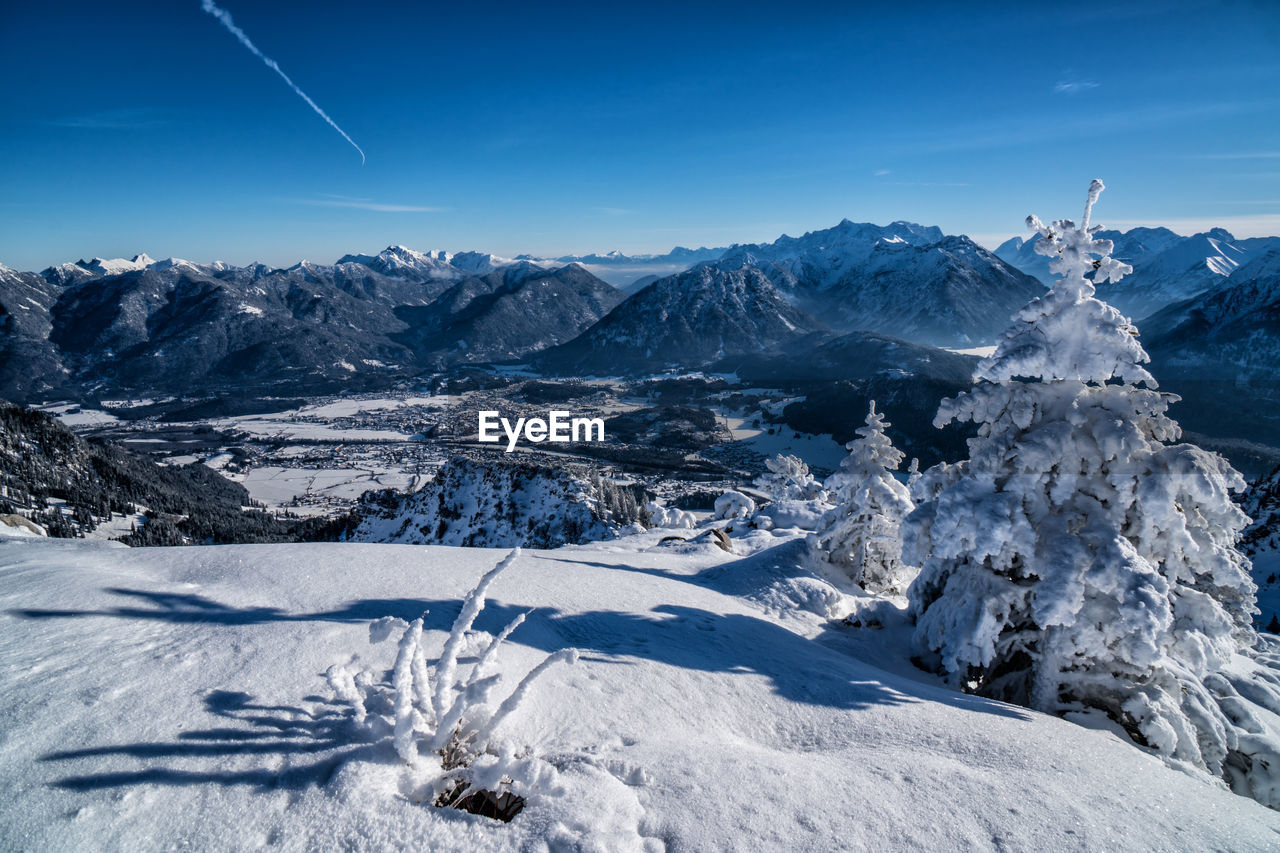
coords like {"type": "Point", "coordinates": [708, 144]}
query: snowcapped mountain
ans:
{"type": "Point", "coordinates": [1231, 332]}
{"type": "Point", "coordinates": [402, 262]}
{"type": "Point", "coordinates": [1220, 352]}
{"type": "Point", "coordinates": [498, 504]}
{"type": "Point", "coordinates": [1186, 268]}
{"type": "Point", "coordinates": [692, 319]}
{"type": "Point", "coordinates": [508, 313]}
{"type": "Point", "coordinates": [1167, 267]}
{"type": "Point", "coordinates": [902, 279]}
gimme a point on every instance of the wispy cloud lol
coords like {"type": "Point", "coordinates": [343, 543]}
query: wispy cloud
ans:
{"type": "Point", "coordinates": [1073, 87]}
{"type": "Point", "coordinates": [366, 204]}
{"type": "Point", "coordinates": [880, 173]}
{"type": "Point", "coordinates": [121, 119]}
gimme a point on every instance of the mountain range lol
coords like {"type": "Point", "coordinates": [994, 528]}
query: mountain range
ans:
{"type": "Point", "coordinates": [1167, 267]}
{"type": "Point", "coordinates": [173, 326]}
{"type": "Point", "coordinates": [902, 279]}
{"type": "Point", "coordinates": [140, 326]}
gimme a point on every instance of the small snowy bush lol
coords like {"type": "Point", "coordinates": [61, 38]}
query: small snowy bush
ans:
{"type": "Point", "coordinates": [1078, 559]}
{"type": "Point", "coordinates": [440, 711]}
{"type": "Point", "coordinates": [663, 516]}
{"type": "Point", "coordinates": [791, 515]}
{"type": "Point", "coordinates": [862, 534]}
{"type": "Point", "coordinates": [732, 505]}
{"type": "Point", "coordinates": [789, 480]}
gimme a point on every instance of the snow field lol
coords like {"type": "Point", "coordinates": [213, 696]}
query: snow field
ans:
{"type": "Point", "coordinates": [163, 697]}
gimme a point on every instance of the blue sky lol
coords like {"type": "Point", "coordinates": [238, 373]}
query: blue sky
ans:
{"type": "Point", "coordinates": [575, 127]}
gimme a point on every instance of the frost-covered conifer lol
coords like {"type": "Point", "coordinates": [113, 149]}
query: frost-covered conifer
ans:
{"type": "Point", "coordinates": [862, 534]}
{"type": "Point", "coordinates": [789, 480]}
{"type": "Point", "coordinates": [1079, 559]}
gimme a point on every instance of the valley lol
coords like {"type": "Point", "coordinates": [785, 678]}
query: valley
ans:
{"type": "Point", "coordinates": [681, 435]}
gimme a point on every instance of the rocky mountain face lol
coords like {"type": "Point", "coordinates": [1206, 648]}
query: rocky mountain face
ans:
{"type": "Point", "coordinates": [1167, 267]}
{"type": "Point", "coordinates": [705, 316]}
{"type": "Point", "coordinates": [902, 279]}
{"type": "Point", "coordinates": [29, 361]}
{"type": "Point", "coordinates": [508, 313]}
{"type": "Point", "coordinates": [171, 326]}
{"type": "Point", "coordinates": [499, 503]}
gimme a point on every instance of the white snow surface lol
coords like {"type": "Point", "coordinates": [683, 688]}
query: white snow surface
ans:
{"type": "Point", "coordinates": [73, 416]}
{"type": "Point", "coordinates": [175, 697]}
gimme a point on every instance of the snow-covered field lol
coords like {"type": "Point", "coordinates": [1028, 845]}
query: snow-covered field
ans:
{"type": "Point", "coordinates": [274, 427]}
{"type": "Point", "coordinates": [319, 488]}
{"type": "Point", "coordinates": [72, 415]}
{"type": "Point", "coordinates": [309, 423]}
{"type": "Point", "coordinates": [820, 451]}
{"type": "Point", "coordinates": [176, 697]}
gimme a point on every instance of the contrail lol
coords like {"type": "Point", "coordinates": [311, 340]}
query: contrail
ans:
{"type": "Point", "coordinates": [225, 18]}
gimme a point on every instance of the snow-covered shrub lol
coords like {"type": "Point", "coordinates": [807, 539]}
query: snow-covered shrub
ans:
{"type": "Point", "coordinates": [789, 479]}
{"type": "Point", "coordinates": [665, 516]}
{"type": "Point", "coordinates": [1079, 559]}
{"type": "Point", "coordinates": [444, 712]}
{"type": "Point", "coordinates": [862, 533]}
{"type": "Point", "coordinates": [733, 504]}
{"type": "Point", "coordinates": [791, 514]}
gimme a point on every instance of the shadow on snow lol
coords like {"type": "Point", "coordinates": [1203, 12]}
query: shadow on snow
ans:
{"type": "Point", "coordinates": [798, 669]}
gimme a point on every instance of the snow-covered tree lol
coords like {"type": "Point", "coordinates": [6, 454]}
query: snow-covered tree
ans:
{"type": "Point", "coordinates": [789, 479]}
{"type": "Point", "coordinates": [862, 533]}
{"type": "Point", "coordinates": [1079, 559]}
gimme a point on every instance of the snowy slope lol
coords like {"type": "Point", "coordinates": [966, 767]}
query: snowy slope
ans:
{"type": "Point", "coordinates": [175, 698]}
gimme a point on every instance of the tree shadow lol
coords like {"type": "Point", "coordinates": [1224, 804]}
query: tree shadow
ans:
{"type": "Point", "coordinates": [327, 738]}
{"type": "Point", "coordinates": [316, 741]}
